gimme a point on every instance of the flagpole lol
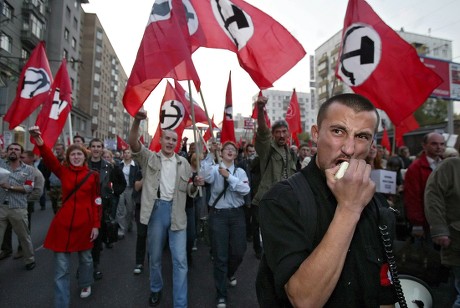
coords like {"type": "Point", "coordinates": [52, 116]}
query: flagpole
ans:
{"type": "Point", "coordinates": [197, 149]}
{"type": "Point", "coordinates": [69, 122]}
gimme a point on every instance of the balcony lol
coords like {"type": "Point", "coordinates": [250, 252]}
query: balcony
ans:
{"type": "Point", "coordinates": [323, 72]}
{"type": "Point", "coordinates": [323, 96]}
{"type": "Point", "coordinates": [29, 39]}
{"type": "Point", "coordinates": [29, 8]}
{"type": "Point", "coordinates": [338, 89]}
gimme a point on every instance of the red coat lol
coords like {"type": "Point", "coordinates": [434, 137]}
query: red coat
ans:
{"type": "Point", "coordinates": [71, 227]}
{"type": "Point", "coordinates": [414, 189]}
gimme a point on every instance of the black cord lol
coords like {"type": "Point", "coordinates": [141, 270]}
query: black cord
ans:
{"type": "Point", "coordinates": [387, 245]}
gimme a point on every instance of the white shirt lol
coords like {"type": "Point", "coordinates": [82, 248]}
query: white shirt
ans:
{"type": "Point", "coordinates": [167, 177]}
{"type": "Point", "coordinates": [126, 169]}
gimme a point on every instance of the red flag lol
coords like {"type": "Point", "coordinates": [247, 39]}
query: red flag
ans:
{"type": "Point", "coordinates": [184, 97]}
{"type": "Point", "coordinates": [208, 134]}
{"type": "Point", "coordinates": [155, 145]}
{"type": "Point", "coordinates": [385, 139]}
{"type": "Point", "coordinates": [378, 64]}
{"type": "Point", "coordinates": [141, 139]}
{"type": "Point", "coordinates": [121, 144]}
{"type": "Point", "coordinates": [165, 51]}
{"type": "Point", "coordinates": [409, 124]}
{"type": "Point", "coordinates": [228, 127]}
{"type": "Point", "coordinates": [56, 109]}
{"type": "Point", "coordinates": [255, 112]}
{"type": "Point", "coordinates": [293, 116]}
{"type": "Point", "coordinates": [255, 37]}
{"type": "Point", "coordinates": [33, 87]}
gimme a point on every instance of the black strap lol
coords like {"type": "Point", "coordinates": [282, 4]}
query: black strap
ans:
{"type": "Point", "coordinates": [77, 187]}
{"type": "Point", "coordinates": [307, 204]}
{"type": "Point", "coordinates": [223, 191]}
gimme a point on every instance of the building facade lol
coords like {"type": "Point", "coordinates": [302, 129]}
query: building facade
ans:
{"type": "Point", "coordinates": [278, 103]}
{"type": "Point", "coordinates": [95, 72]}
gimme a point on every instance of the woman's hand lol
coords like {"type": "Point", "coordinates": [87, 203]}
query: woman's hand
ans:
{"type": "Point", "coordinates": [94, 234]}
{"type": "Point", "coordinates": [35, 133]}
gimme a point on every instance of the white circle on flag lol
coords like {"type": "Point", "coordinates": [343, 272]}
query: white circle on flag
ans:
{"type": "Point", "coordinates": [36, 81]}
{"type": "Point", "coordinates": [171, 114]}
{"type": "Point", "coordinates": [161, 10]}
{"type": "Point", "coordinates": [190, 15]}
{"type": "Point", "coordinates": [235, 22]}
{"type": "Point", "coordinates": [361, 54]}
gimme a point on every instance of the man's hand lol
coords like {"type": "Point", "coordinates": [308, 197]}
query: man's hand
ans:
{"type": "Point", "coordinates": [356, 189]}
{"type": "Point", "coordinates": [141, 115]}
{"type": "Point", "coordinates": [443, 241]}
{"type": "Point", "coordinates": [261, 102]}
{"type": "Point", "coordinates": [198, 181]}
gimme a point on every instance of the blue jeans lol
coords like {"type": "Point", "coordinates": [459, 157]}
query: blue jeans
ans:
{"type": "Point", "coordinates": [228, 229]}
{"type": "Point", "coordinates": [62, 275]}
{"type": "Point", "coordinates": [159, 227]}
{"type": "Point", "coordinates": [456, 270]}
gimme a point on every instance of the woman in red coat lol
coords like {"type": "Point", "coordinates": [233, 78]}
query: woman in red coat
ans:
{"type": "Point", "coordinates": [76, 225]}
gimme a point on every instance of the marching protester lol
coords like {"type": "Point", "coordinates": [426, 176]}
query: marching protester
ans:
{"type": "Point", "coordinates": [163, 208]}
{"type": "Point", "coordinates": [76, 225]}
{"type": "Point", "coordinates": [229, 184]}
{"type": "Point", "coordinates": [109, 185]}
{"type": "Point", "coordinates": [326, 249]}
{"type": "Point", "coordinates": [13, 202]}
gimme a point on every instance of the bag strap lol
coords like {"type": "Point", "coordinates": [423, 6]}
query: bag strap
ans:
{"type": "Point", "coordinates": [223, 191]}
{"type": "Point", "coordinates": [307, 204]}
{"type": "Point", "coordinates": [64, 200]}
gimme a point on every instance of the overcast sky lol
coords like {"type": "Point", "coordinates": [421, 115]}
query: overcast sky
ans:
{"type": "Point", "coordinates": [312, 22]}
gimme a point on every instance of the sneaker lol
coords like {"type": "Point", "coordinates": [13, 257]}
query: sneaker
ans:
{"type": "Point", "coordinates": [85, 292]}
{"type": "Point", "coordinates": [232, 281]}
{"type": "Point", "coordinates": [30, 266]}
{"type": "Point", "coordinates": [138, 269]}
{"type": "Point", "coordinates": [221, 303]}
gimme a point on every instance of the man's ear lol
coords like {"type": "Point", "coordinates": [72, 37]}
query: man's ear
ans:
{"type": "Point", "coordinates": [314, 133]}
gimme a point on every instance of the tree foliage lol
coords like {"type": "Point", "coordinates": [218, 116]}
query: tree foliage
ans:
{"type": "Point", "coordinates": [433, 111]}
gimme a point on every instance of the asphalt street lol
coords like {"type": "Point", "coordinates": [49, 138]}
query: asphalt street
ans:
{"type": "Point", "coordinates": [121, 288]}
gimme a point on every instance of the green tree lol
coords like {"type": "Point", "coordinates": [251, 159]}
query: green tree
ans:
{"type": "Point", "coordinates": [433, 111]}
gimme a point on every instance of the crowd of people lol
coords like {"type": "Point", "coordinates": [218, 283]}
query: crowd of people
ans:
{"type": "Point", "coordinates": [316, 236]}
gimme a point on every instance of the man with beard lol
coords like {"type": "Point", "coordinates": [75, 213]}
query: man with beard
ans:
{"type": "Point", "coordinates": [276, 161]}
{"type": "Point", "coordinates": [13, 200]}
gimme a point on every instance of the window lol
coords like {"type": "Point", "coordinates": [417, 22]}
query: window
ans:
{"type": "Point", "coordinates": [97, 77]}
{"type": "Point", "coordinates": [7, 10]}
{"type": "Point", "coordinates": [99, 34]}
{"type": "Point", "coordinates": [6, 42]}
{"type": "Point", "coordinates": [75, 23]}
{"type": "Point", "coordinates": [97, 63]}
{"type": "Point", "coordinates": [24, 54]}
{"type": "Point", "coordinates": [67, 13]}
{"type": "Point", "coordinates": [37, 26]}
{"type": "Point", "coordinates": [96, 91]}
{"type": "Point", "coordinates": [98, 48]}
{"type": "Point", "coordinates": [65, 54]}
{"type": "Point", "coordinates": [66, 34]}
{"type": "Point", "coordinates": [72, 82]}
